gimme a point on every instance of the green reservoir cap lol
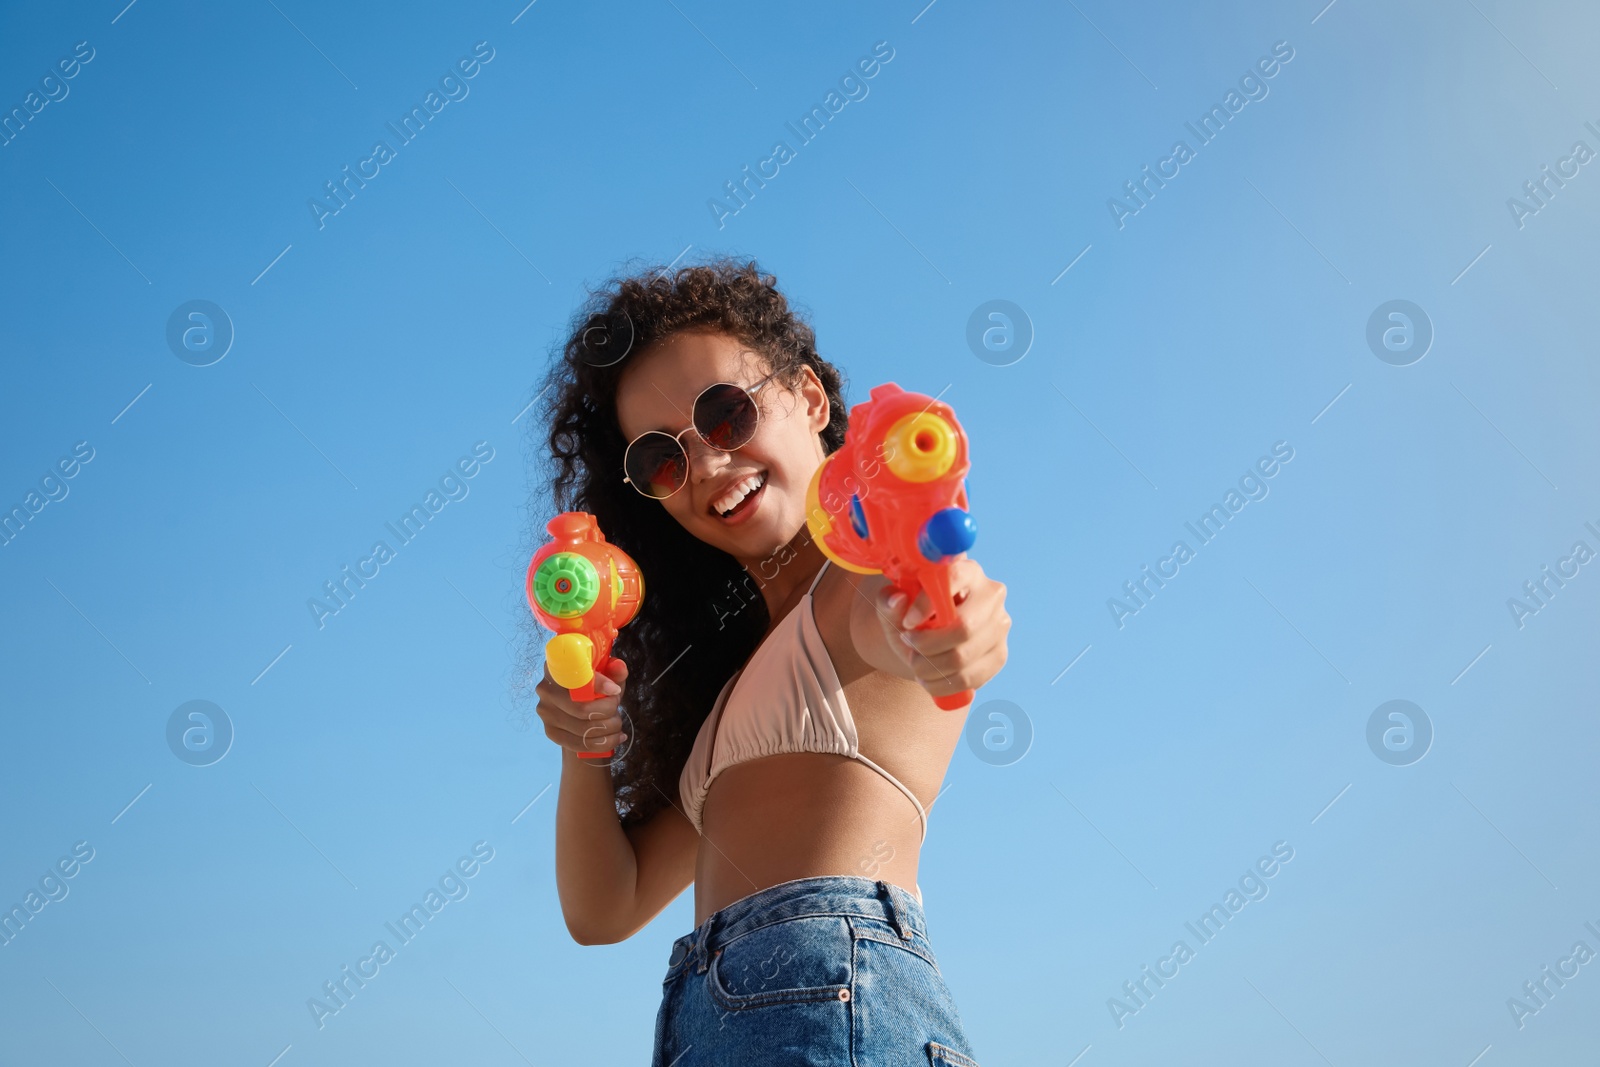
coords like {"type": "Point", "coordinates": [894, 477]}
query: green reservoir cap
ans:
{"type": "Point", "coordinates": [566, 584]}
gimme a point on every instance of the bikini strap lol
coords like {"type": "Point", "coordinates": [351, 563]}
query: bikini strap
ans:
{"type": "Point", "coordinates": [818, 578]}
{"type": "Point", "coordinates": [922, 814]}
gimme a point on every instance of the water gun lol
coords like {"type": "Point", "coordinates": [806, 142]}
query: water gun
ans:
{"type": "Point", "coordinates": [585, 589]}
{"type": "Point", "coordinates": [891, 501]}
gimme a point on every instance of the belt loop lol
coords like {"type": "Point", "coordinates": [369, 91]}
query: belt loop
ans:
{"type": "Point", "coordinates": [893, 910]}
{"type": "Point", "coordinates": [702, 946]}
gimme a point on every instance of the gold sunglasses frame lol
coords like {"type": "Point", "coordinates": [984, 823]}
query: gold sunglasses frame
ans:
{"type": "Point", "coordinates": [677, 438]}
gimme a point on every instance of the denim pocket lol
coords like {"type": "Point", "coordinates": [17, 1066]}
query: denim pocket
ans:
{"type": "Point", "coordinates": [807, 959]}
{"type": "Point", "coordinates": [945, 1056]}
{"type": "Point", "coordinates": [879, 930]}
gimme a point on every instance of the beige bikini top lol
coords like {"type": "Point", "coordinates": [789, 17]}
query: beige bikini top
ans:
{"type": "Point", "coordinates": [787, 698]}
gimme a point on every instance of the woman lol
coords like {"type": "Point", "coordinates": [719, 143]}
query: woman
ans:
{"type": "Point", "coordinates": [776, 742]}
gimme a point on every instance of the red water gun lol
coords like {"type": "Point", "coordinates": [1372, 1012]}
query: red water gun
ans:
{"type": "Point", "coordinates": [891, 501]}
{"type": "Point", "coordinates": [585, 589]}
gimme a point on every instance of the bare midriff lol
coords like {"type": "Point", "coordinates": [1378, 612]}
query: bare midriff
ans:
{"type": "Point", "coordinates": [806, 814]}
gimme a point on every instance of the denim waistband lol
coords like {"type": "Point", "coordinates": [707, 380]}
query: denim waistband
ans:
{"type": "Point", "coordinates": [834, 894]}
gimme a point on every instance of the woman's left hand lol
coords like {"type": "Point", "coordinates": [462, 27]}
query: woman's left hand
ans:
{"type": "Point", "coordinates": [955, 657]}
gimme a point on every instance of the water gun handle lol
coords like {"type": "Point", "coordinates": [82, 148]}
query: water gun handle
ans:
{"type": "Point", "coordinates": [583, 694]}
{"type": "Point", "coordinates": [943, 612]}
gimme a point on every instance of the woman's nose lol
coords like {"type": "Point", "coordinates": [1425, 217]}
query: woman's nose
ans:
{"type": "Point", "coordinates": [704, 460]}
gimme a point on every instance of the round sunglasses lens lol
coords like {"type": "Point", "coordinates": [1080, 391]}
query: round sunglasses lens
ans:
{"type": "Point", "coordinates": [725, 416]}
{"type": "Point", "coordinates": [656, 465]}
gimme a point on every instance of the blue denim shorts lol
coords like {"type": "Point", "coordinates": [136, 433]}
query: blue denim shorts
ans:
{"type": "Point", "coordinates": [833, 971]}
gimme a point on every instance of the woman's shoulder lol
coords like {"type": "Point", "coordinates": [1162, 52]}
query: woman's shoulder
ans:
{"type": "Point", "coordinates": [844, 609]}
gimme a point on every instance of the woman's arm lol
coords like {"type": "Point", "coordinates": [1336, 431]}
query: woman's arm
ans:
{"type": "Point", "coordinates": [611, 881]}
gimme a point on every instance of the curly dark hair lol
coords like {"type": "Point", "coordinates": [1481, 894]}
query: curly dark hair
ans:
{"type": "Point", "coordinates": [582, 471]}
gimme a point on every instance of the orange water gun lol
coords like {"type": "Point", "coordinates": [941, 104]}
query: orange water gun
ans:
{"type": "Point", "coordinates": [892, 501]}
{"type": "Point", "coordinates": [585, 589]}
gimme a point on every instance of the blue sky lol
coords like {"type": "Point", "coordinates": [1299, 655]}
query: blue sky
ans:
{"type": "Point", "coordinates": [1172, 347]}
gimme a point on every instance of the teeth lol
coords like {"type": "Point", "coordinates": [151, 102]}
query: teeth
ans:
{"type": "Point", "coordinates": [736, 493]}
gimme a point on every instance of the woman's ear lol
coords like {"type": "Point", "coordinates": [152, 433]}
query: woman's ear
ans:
{"type": "Point", "coordinates": [818, 411]}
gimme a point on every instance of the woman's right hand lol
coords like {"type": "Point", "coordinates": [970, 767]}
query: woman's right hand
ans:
{"type": "Point", "coordinates": [584, 726]}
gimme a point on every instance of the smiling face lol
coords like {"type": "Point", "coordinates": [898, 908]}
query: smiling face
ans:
{"type": "Point", "coordinates": [657, 391]}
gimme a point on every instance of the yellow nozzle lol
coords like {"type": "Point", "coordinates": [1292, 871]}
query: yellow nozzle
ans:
{"type": "Point", "coordinates": [921, 447]}
{"type": "Point", "coordinates": [570, 658]}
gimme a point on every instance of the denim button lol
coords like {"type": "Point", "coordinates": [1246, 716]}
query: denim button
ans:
{"type": "Point", "coordinates": [680, 949]}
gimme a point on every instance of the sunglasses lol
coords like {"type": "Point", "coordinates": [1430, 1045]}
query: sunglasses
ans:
{"type": "Point", "coordinates": [725, 417]}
